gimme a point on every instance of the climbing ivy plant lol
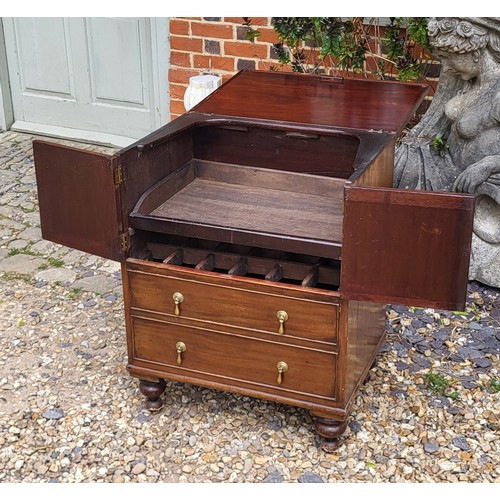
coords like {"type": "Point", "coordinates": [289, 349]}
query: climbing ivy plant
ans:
{"type": "Point", "coordinates": [348, 46]}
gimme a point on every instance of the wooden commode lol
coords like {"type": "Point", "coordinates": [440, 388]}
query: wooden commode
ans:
{"type": "Point", "coordinates": [260, 238]}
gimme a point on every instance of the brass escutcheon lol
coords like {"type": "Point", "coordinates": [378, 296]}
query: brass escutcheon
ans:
{"type": "Point", "coordinates": [282, 317]}
{"type": "Point", "coordinates": [180, 347]}
{"type": "Point", "coordinates": [282, 368]}
{"type": "Point", "coordinates": [178, 299]}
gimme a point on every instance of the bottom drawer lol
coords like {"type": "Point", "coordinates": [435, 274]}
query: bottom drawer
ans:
{"type": "Point", "coordinates": [228, 359]}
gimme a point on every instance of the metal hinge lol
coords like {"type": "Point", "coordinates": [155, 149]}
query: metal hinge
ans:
{"type": "Point", "coordinates": [124, 242]}
{"type": "Point", "coordinates": [118, 174]}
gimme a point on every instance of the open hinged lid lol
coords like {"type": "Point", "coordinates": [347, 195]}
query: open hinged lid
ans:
{"type": "Point", "coordinates": [361, 104]}
{"type": "Point", "coordinates": [79, 199]}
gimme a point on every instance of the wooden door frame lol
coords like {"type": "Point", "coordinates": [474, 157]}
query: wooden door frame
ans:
{"type": "Point", "coordinates": [160, 45]}
{"type": "Point", "coordinates": [6, 109]}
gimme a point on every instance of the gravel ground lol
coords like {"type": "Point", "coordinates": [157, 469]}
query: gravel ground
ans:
{"type": "Point", "coordinates": [69, 411]}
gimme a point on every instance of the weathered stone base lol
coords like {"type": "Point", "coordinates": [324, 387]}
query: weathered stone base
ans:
{"type": "Point", "coordinates": [485, 262]}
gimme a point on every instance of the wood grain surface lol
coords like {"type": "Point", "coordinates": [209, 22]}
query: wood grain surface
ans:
{"type": "Point", "coordinates": [406, 247]}
{"type": "Point", "coordinates": [348, 103]}
{"type": "Point", "coordinates": [214, 298]}
{"type": "Point", "coordinates": [212, 355]}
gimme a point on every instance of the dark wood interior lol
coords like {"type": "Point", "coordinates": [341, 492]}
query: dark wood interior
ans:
{"type": "Point", "coordinates": [309, 152]}
{"type": "Point", "coordinates": [239, 260]}
{"type": "Point", "coordinates": [246, 205]}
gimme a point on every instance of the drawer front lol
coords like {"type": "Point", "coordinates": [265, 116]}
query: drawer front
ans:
{"type": "Point", "coordinates": [229, 359]}
{"type": "Point", "coordinates": [236, 302]}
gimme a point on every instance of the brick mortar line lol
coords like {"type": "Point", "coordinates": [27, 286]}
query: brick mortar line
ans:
{"type": "Point", "coordinates": [216, 39]}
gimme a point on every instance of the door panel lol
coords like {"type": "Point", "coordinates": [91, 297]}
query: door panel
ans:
{"type": "Point", "coordinates": [98, 75]}
{"type": "Point", "coordinates": [118, 79]}
{"type": "Point", "coordinates": [406, 247]}
{"type": "Point", "coordinates": [79, 201]}
{"type": "Point", "coordinates": [37, 54]}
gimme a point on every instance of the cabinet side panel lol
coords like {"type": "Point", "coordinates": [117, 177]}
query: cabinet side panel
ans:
{"type": "Point", "coordinates": [380, 172]}
{"type": "Point", "coordinates": [126, 304]}
{"type": "Point", "coordinates": [365, 334]}
{"type": "Point", "coordinates": [147, 164]}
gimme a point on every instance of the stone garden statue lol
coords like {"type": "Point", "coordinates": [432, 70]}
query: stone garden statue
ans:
{"type": "Point", "coordinates": [456, 145]}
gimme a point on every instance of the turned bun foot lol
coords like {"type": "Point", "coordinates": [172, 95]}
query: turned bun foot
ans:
{"type": "Point", "coordinates": [153, 392]}
{"type": "Point", "coordinates": [330, 431]}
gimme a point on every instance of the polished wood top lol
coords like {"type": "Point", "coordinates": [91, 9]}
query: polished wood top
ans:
{"type": "Point", "coordinates": [292, 97]}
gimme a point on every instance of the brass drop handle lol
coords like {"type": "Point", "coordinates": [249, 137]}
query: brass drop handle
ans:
{"type": "Point", "coordinates": [282, 317]}
{"type": "Point", "coordinates": [178, 299]}
{"type": "Point", "coordinates": [180, 347]}
{"type": "Point", "coordinates": [282, 368]}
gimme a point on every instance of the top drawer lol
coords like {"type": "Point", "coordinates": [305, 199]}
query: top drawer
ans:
{"type": "Point", "coordinates": [234, 301]}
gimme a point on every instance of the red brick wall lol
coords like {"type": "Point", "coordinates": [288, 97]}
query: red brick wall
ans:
{"type": "Point", "coordinates": [215, 45]}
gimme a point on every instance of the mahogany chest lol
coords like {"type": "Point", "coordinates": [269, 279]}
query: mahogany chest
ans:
{"type": "Point", "coordinates": [260, 238]}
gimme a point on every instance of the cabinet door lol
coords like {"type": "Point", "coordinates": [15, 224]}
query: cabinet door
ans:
{"type": "Point", "coordinates": [79, 198]}
{"type": "Point", "coordinates": [406, 247]}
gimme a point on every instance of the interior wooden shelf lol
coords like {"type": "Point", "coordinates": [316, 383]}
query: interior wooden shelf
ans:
{"type": "Point", "coordinates": [247, 205]}
{"type": "Point", "coordinates": [252, 209]}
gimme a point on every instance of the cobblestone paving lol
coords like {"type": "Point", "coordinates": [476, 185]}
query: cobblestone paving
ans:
{"type": "Point", "coordinates": [69, 411]}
